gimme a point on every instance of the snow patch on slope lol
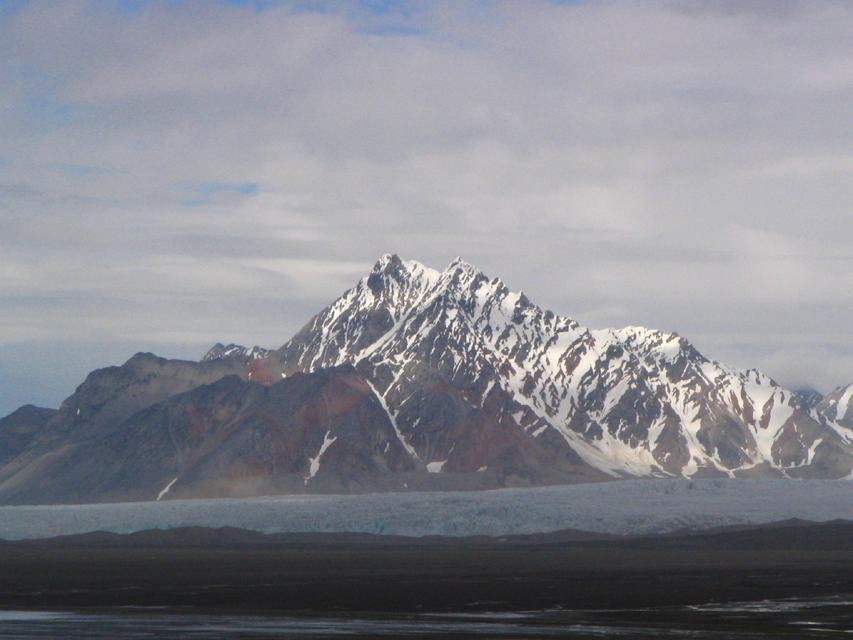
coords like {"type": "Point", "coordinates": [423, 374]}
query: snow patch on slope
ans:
{"type": "Point", "coordinates": [314, 465]}
{"type": "Point", "coordinates": [166, 489]}
{"type": "Point", "coordinates": [406, 445]}
{"type": "Point", "coordinates": [436, 466]}
{"type": "Point", "coordinates": [843, 404]}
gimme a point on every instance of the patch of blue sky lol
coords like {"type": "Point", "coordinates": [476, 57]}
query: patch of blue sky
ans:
{"type": "Point", "coordinates": [373, 7]}
{"type": "Point", "coordinates": [79, 170]}
{"type": "Point", "coordinates": [38, 102]}
{"type": "Point", "coordinates": [399, 30]}
{"type": "Point", "coordinates": [11, 7]}
{"type": "Point", "coordinates": [312, 6]}
{"type": "Point", "coordinates": [386, 7]}
{"type": "Point", "coordinates": [206, 192]}
{"type": "Point", "coordinates": [243, 188]}
{"type": "Point", "coordinates": [48, 110]}
{"type": "Point", "coordinates": [37, 79]}
{"type": "Point", "coordinates": [132, 7]}
{"type": "Point", "coordinates": [257, 5]}
{"type": "Point", "coordinates": [376, 17]}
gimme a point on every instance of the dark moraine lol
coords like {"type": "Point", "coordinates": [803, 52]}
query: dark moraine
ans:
{"type": "Point", "coordinates": [790, 579]}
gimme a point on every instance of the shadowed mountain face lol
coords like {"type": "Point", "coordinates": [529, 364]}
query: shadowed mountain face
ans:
{"type": "Point", "coordinates": [95, 411]}
{"type": "Point", "coordinates": [18, 429]}
{"type": "Point", "coordinates": [422, 379]}
{"type": "Point", "coordinates": [233, 437]}
{"type": "Point", "coordinates": [809, 397]}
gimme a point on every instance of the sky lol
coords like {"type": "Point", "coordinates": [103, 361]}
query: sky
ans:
{"type": "Point", "coordinates": [177, 173]}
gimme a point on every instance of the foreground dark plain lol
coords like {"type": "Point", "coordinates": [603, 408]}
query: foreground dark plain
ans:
{"type": "Point", "coordinates": [796, 577]}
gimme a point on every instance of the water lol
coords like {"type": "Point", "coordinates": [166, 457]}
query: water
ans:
{"type": "Point", "coordinates": [766, 619]}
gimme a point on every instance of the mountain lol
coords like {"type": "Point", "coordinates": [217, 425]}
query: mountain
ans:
{"type": "Point", "coordinates": [232, 437]}
{"type": "Point", "coordinates": [95, 411]}
{"type": "Point", "coordinates": [838, 406]}
{"type": "Point", "coordinates": [19, 428]}
{"type": "Point", "coordinates": [220, 350]}
{"type": "Point", "coordinates": [424, 379]}
{"type": "Point", "coordinates": [630, 401]}
{"type": "Point", "coordinates": [809, 397]}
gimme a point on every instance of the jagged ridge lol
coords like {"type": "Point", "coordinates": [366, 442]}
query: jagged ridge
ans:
{"type": "Point", "coordinates": [426, 380]}
{"type": "Point", "coordinates": [632, 401]}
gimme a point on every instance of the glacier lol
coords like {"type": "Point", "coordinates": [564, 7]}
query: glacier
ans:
{"type": "Point", "coordinates": [618, 507]}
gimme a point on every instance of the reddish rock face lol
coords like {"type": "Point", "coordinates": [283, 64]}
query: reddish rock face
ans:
{"type": "Point", "coordinates": [323, 431]}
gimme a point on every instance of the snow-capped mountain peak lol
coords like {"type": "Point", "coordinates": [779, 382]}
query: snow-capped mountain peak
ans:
{"type": "Point", "coordinates": [628, 401]}
{"type": "Point", "coordinates": [430, 380]}
{"type": "Point", "coordinates": [219, 351]}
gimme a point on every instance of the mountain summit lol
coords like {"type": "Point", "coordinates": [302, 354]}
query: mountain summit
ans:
{"type": "Point", "coordinates": [424, 379]}
{"type": "Point", "coordinates": [630, 401]}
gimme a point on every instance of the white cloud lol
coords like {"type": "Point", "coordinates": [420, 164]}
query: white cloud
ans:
{"type": "Point", "coordinates": [670, 164]}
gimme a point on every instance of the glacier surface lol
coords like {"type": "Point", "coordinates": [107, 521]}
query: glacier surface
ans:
{"type": "Point", "coordinates": [622, 507]}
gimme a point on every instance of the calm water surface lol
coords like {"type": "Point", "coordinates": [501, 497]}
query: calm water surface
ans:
{"type": "Point", "coordinates": [817, 618]}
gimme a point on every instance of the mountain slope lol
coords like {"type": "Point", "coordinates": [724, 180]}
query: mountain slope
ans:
{"type": "Point", "coordinates": [423, 379]}
{"type": "Point", "coordinates": [19, 428]}
{"type": "Point", "coordinates": [100, 405]}
{"type": "Point", "coordinates": [809, 397]}
{"type": "Point", "coordinates": [838, 405]}
{"type": "Point", "coordinates": [631, 401]}
{"type": "Point", "coordinates": [231, 437]}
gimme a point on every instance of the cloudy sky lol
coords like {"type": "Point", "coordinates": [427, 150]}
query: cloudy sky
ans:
{"type": "Point", "coordinates": [176, 173]}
